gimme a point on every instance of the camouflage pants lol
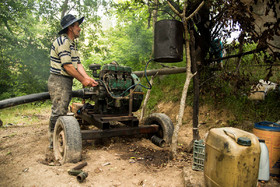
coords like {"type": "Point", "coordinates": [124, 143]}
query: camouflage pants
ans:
{"type": "Point", "coordinates": [60, 89]}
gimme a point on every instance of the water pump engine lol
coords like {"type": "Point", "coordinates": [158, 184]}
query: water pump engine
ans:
{"type": "Point", "coordinates": [118, 86]}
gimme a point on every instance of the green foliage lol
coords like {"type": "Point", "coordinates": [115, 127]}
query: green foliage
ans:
{"type": "Point", "coordinates": [166, 88]}
{"type": "Point", "coordinates": [268, 109]}
{"type": "Point", "coordinates": [24, 55]}
{"type": "Point", "coordinates": [130, 45]}
{"type": "Point", "coordinates": [229, 88]}
{"type": "Point", "coordinates": [129, 42]}
{"type": "Point", "coordinates": [27, 29]}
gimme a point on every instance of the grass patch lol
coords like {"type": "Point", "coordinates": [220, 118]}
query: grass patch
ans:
{"type": "Point", "coordinates": [25, 114]}
{"type": "Point", "coordinates": [230, 91]}
{"type": "Point", "coordinates": [165, 88]}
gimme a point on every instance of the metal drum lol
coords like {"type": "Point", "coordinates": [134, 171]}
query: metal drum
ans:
{"type": "Point", "coordinates": [270, 132]}
{"type": "Point", "coordinates": [168, 41]}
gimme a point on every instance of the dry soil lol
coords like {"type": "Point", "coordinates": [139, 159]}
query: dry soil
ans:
{"type": "Point", "coordinates": [25, 159]}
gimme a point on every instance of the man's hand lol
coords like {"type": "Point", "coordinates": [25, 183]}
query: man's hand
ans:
{"type": "Point", "coordinates": [94, 82]}
{"type": "Point", "coordinates": [80, 75]}
{"type": "Point", "coordinates": [82, 71]}
{"type": "Point", "coordinates": [89, 82]}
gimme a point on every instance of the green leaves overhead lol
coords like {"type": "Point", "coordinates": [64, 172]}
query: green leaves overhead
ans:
{"type": "Point", "coordinates": [28, 28]}
{"type": "Point", "coordinates": [119, 30]}
{"type": "Point", "coordinates": [131, 41]}
{"type": "Point", "coordinates": [127, 41]}
{"type": "Point", "coordinates": [20, 48]}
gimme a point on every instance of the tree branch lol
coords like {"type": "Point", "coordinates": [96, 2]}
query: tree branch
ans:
{"type": "Point", "coordinates": [194, 12]}
{"type": "Point", "coordinates": [237, 55]}
{"type": "Point", "coordinates": [167, 13]}
{"type": "Point", "coordinates": [174, 10]}
{"type": "Point", "coordinates": [64, 8]}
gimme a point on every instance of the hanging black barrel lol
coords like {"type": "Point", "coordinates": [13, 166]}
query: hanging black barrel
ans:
{"type": "Point", "coordinates": [168, 41]}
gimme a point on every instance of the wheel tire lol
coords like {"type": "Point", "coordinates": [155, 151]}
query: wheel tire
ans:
{"type": "Point", "coordinates": [165, 124]}
{"type": "Point", "coordinates": [67, 140]}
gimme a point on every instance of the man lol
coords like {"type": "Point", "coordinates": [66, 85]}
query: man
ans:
{"type": "Point", "coordinates": [216, 49]}
{"type": "Point", "coordinates": [65, 65]}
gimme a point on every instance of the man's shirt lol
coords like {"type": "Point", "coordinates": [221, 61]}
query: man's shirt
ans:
{"type": "Point", "coordinates": [63, 51]}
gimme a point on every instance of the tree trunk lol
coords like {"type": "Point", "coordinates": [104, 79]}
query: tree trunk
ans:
{"type": "Point", "coordinates": [189, 74]}
{"type": "Point", "coordinates": [146, 101]}
{"type": "Point", "coordinates": [64, 8]}
{"type": "Point", "coordinates": [195, 87]}
{"type": "Point", "coordinates": [181, 113]}
{"type": "Point", "coordinates": [184, 93]}
{"type": "Point", "coordinates": [155, 11]}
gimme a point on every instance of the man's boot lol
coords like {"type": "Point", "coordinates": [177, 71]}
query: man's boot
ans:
{"type": "Point", "coordinates": [51, 140]}
{"type": "Point", "coordinates": [51, 129]}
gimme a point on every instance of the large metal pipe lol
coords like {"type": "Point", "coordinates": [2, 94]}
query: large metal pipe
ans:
{"type": "Point", "coordinates": [165, 71]}
{"type": "Point", "coordinates": [79, 93]}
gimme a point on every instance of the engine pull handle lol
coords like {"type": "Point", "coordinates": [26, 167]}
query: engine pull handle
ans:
{"type": "Point", "coordinates": [231, 134]}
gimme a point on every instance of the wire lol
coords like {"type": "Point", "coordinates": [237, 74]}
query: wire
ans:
{"type": "Point", "coordinates": [146, 74]}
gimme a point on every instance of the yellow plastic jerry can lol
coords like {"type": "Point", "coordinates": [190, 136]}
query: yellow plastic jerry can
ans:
{"type": "Point", "coordinates": [231, 158]}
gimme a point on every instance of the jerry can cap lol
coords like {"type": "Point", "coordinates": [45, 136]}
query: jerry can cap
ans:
{"type": "Point", "coordinates": [244, 141]}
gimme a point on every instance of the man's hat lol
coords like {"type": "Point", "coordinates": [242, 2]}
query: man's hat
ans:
{"type": "Point", "coordinates": [68, 20]}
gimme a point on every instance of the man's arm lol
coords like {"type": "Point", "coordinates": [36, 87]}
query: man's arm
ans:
{"type": "Point", "coordinates": [82, 71]}
{"type": "Point", "coordinates": [86, 81]}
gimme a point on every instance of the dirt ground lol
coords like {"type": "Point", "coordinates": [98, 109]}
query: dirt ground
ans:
{"type": "Point", "coordinates": [25, 159]}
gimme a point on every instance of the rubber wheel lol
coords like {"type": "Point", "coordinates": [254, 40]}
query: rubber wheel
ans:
{"type": "Point", "coordinates": [67, 140]}
{"type": "Point", "coordinates": [165, 124]}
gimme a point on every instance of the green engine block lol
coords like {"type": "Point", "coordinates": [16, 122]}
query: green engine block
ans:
{"type": "Point", "coordinates": [115, 85]}
{"type": "Point", "coordinates": [118, 77]}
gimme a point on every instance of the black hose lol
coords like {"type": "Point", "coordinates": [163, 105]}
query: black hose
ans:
{"type": "Point", "coordinates": [24, 99]}
{"type": "Point", "coordinates": [33, 97]}
{"type": "Point", "coordinates": [157, 141]}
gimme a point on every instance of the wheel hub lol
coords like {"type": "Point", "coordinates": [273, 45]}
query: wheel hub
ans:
{"type": "Point", "coordinates": [61, 144]}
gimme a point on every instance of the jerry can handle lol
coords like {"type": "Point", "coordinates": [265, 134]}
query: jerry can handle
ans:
{"type": "Point", "coordinates": [230, 134]}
